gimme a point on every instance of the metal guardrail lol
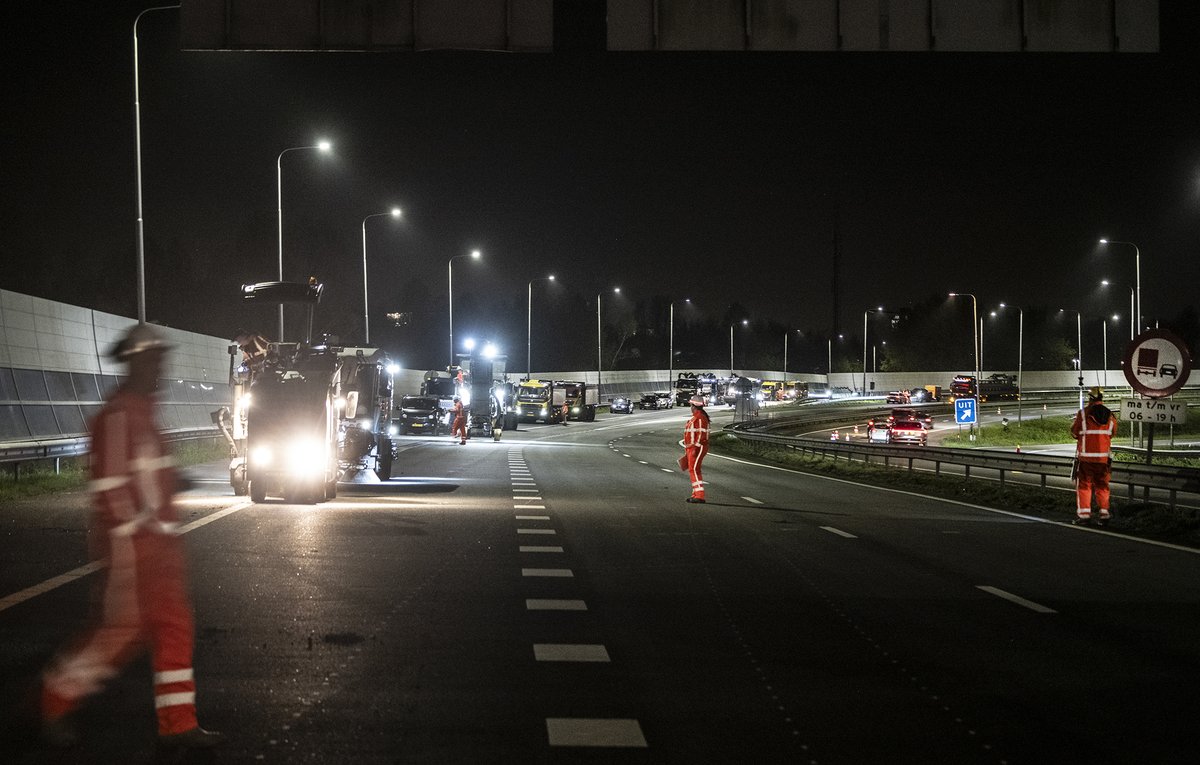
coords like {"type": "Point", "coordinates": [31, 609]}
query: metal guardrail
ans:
{"type": "Point", "coordinates": [1171, 480]}
{"type": "Point", "coordinates": [16, 453]}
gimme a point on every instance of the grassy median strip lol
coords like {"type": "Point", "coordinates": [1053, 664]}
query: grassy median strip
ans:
{"type": "Point", "coordinates": [39, 478]}
{"type": "Point", "coordinates": [1180, 526]}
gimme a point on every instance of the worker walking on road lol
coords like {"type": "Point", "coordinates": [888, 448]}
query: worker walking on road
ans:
{"type": "Point", "coordinates": [695, 444]}
{"type": "Point", "coordinates": [460, 422]}
{"type": "Point", "coordinates": [143, 601]}
{"type": "Point", "coordinates": [1093, 429]}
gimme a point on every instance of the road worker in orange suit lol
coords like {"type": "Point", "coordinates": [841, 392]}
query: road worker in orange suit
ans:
{"type": "Point", "coordinates": [459, 427]}
{"type": "Point", "coordinates": [1093, 429]}
{"type": "Point", "coordinates": [143, 602]}
{"type": "Point", "coordinates": [695, 444]}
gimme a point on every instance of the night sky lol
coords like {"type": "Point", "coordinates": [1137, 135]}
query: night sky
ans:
{"type": "Point", "coordinates": [723, 178]}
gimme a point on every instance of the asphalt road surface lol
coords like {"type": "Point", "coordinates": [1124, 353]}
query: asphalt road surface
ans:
{"type": "Point", "coordinates": [550, 598]}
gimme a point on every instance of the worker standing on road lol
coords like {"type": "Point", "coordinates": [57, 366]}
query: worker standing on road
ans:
{"type": "Point", "coordinates": [460, 422]}
{"type": "Point", "coordinates": [1093, 429]}
{"type": "Point", "coordinates": [695, 444]}
{"type": "Point", "coordinates": [142, 595]}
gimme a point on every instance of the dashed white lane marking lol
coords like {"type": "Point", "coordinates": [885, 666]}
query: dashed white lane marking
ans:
{"type": "Point", "coordinates": [551, 604]}
{"type": "Point", "coordinates": [527, 498]}
{"type": "Point", "coordinates": [630, 456]}
{"type": "Point", "coordinates": [516, 489]}
{"type": "Point", "coordinates": [580, 731]}
{"type": "Point", "coordinates": [752, 499]}
{"type": "Point", "coordinates": [536, 531]}
{"type": "Point", "coordinates": [8, 601]}
{"type": "Point", "coordinates": [565, 573]}
{"type": "Point", "coordinates": [839, 532]}
{"type": "Point", "coordinates": [540, 549]}
{"type": "Point", "coordinates": [570, 652]}
{"type": "Point", "coordinates": [533, 517]}
{"type": "Point", "coordinates": [666, 471]}
{"type": "Point", "coordinates": [643, 462]}
{"type": "Point", "coordinates": [1038, 607]}
{"type": "Point", "coordinates": [529, 507]}
{"type": "Point", "coordinates": [523, 482]}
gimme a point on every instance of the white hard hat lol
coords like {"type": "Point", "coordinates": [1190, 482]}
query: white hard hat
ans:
{"type": "Point", "coordinates": [696, 401]}
{"type": "Point", "coordinates": [140, 337]}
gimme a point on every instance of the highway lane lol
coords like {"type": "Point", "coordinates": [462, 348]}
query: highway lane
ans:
{"type": "Point", "coordinates": [550, 599]}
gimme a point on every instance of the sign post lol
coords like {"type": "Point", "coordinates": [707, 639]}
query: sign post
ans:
{"type": "Point", "coordinates": [965, 413]}
{"type": "Point", "coordinates": [1157, 364]}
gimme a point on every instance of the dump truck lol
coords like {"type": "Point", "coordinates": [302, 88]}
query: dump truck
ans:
{"type": "Point", "coordinates": [579, 398]}
{"type": "Point", "coordinates": [537, 402]}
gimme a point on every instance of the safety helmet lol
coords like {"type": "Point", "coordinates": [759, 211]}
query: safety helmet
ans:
{"type": "Point", "coordinates": [458, 398]}
{"type": "Point", "coordinates": [1095, 393]}
{"type": "Point", "coordinates": [139, 338]}
{"type": "Point", "coordinates": [696, 401]}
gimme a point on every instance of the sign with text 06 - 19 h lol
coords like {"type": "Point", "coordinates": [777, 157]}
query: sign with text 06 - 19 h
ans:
{"type": "Point", "coordinates": [1154, 410]}
{"type": "Point", "coordinates": [964, 411]}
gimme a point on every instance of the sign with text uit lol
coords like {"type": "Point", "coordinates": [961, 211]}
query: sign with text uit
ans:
{"type": "Point", "coordinates": [964, 411]}
{"type": "Point", "coordinates": [1154, 410]}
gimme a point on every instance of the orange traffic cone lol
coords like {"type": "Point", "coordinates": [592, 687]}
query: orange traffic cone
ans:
{"type": "Point", "coordinates": [833, 436]}
{"type": "Point", "coordinates": [856, 428]}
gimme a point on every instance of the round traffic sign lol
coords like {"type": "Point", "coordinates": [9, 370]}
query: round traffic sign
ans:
{"type": "Point", "coordinates": [1157, 363]}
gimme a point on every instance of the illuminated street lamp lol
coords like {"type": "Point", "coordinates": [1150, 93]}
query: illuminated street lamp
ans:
{"type": "Point", "coordinates": [474, 255]}
{"type": "Point", "coordinates": [1136, 323]}
{"type": "Point", "coordinates": [599, 358]}
{"type": "Point", "coordinates": [878, 309]}
{"type": "Point", "coordinates": [1132, 308]}
{"type": "Point", "coordinates": [137, 131]}
{"type": "Point", "coordinates": [1020, 352]}
{"type": "Point", "coordinates": [529, 325]}
{"type": "Point", "coordinates": [395, 213]}
{"type": "Point", "coordinates": [321, 146]}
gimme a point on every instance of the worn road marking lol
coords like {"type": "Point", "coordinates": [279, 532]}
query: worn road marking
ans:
{"type": "Point", "coordinates": [529, 507]}
{"type": "Point", "coordinates": [551, 604]}
{"type": "Point", "coordinates": [752, 499]}
{"type": "Point", "coordinates": [999, 593]}
{"type": "Point", "coordinates": [579, 731]}
{"type": "Point", "coordinates": [536, 531]}
{"type": "Point", "coordinates": [839, 532]}
{"type": "Point", "coordinates": [555, 572]}
{"type": "Point", "coordinates": [568, 652]}
{"type": "Point", "coordinates": [540, 549]}
{"type": "Point", "coordinates": [533, 517]}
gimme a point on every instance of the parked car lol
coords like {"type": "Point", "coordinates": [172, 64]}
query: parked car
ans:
{"type": "Point", "coordinates": [911, 415]}
{"type": "Point", "coordinates": [907, 432]}
{"type": "Point", "coordinates": [657, 400]}
{"type": "Point", "coordinates": [621, 405]}
{"type": "Point", "coordinates": [419, 414]}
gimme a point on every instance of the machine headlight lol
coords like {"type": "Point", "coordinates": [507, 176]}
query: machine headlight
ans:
{"type": "Point", "coordinates": [306, 457]}
{"type": "Point", "coordinates": [393, 430]}
{"type": "Point", "coordinates": [364, 424]}
{"type": "Point", "coordinates": [261, 456]}
{"type": "Point", "coordinates": [575, 410]}
{"type": "Point", "coordinates": [542, 411]}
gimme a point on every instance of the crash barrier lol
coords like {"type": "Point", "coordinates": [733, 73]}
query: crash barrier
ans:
{"type": "Point", "coordinates": [1169, 480]}
{"type": "Point", "coordinates": [17, 455]}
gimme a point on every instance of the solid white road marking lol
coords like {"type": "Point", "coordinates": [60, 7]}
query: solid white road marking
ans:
{"type": "Point", "coordinates": [1016, 599]}
{"type": "Point", "coordinates": [555, 572]}
{"type": "Point", "coordinates": [536, 531]}
{"type": "Point", "coordinates": [529, 507]}
{"type": "Point", "coordinates": [569, 652]}
{"type": "Point", "coordinates": [539, 549]}
{"type": "Point", "coordinates": [8, 601]}
{"type": "Point", "coordinates": [839, 532]}
{"type": "Point", "coordinates": [752, 499]}
{"type": "Point", "coordinates": [579, 731]}
{"type": "Point", "coordinates": [551, 604]}
{"type": "Point", "coordinates": [533, 517]}
{"type": "Point", "coordinates": [528, 499]}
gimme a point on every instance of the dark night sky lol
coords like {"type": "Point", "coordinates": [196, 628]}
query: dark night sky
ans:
{"type": "Point", "coordinates": [716, 177]}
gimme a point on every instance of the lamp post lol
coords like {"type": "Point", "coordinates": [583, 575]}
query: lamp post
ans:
{"type": "Point", "coordinates": [529, 326]}
{"type": "Point", "coordinates": [322, 146]}
{"type": "Point", "coordinates": [474, 255]}
{"type": "Point", "coordinates": [1136, 322]}
{"type": "Point", "coordinates": [395, 213]}
{"type": "Point", "coordinates": [975, 327]}
{"type": "Point", "coordinates": [599, 357]}
{"type": "Point", "coordinates": [868, 311]}
{"type": "Point", "coordinates": [137, 131]}
{"type": "Point", "coordinates": [1020, 353]}
{"type": "Point", "coordinates": [731, 326]}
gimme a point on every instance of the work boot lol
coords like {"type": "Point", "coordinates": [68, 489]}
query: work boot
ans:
{"type": "Point", "coordinates": [696, 500]}
{"type": "Point", "coordinates": [1104, 519]}
{"type": "Point", "coordinates": [1082, 522]}
{"type": "Point", "coordinates": [196, 738]}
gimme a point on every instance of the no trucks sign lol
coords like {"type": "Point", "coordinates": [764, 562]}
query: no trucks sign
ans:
{"type": "Point", "coordinates": [1157, 363]}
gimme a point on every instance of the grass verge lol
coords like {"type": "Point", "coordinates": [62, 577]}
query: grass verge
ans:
{"type": "Point", "coordinates": [39, 478]}
{"type": "Point", "coordinates": [1180, 526]}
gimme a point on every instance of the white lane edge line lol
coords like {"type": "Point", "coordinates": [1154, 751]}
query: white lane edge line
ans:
{"type": "Point", "coordinates": [839, 532]}
{"type": "Point", "coordinates": [999, 593]}
{"type": "Point", "coordinates": [752, 499]}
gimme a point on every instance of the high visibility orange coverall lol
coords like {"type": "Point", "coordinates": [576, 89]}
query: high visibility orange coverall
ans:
{"type": "Point", "coordinates": [695, 444]}
{"type": "Point", "coordinates": [459, 427]}
{"type": "Point", "coordinates": [143, 600]}
{"type": "Point", "coordinates": [1093, 429]}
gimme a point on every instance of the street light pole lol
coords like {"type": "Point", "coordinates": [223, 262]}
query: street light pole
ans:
{"type": "Point", "coordinates": [529, 327]}
{"type": "Point", "coordinates": [320, 146]}
{"type": "Point", "coordinates": [137, 131]}
{"type": "Point", "coordinates": [475, 254]}
{"type": "Point", "coordinates": [599, 357]}
{"type": "Point", "coordinates": [1136, 324]}
{"type": "Point", "coordinates": [975, 327]}
{"type": "Point", "coordinates": [395, 213]}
